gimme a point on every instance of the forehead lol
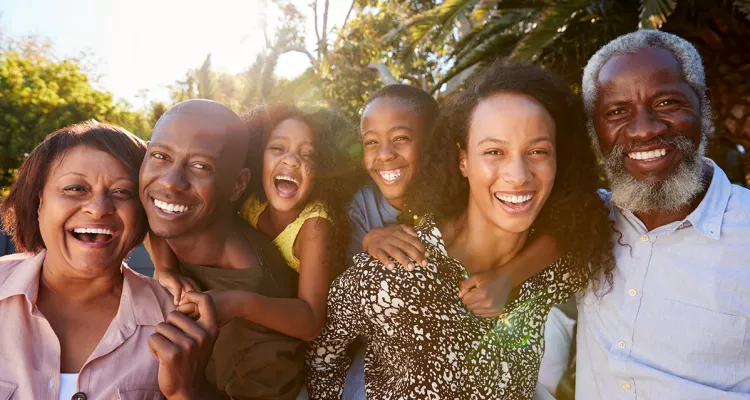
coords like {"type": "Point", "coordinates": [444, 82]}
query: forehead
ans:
{"type": "Point", "coordinates": [510, 116]}
{"type": "Point", "coordinates": [292, 128]}
{"type": "Point", "coordinates": [653, 68]}
{"type": "Point", "coordinates": [187, 133]}
{"type": "Point", "coordinates": [89, 162]}
{"type": "Point", "coordinates": [386, 112]}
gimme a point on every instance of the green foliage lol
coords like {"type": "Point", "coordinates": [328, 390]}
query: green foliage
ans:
{"type": "Point", "coordinates": [40, 94]}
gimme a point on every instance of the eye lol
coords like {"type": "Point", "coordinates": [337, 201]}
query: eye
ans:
{"type": "Point", "coordinates": [74, 189]}
{"type": "Point", "coordinates": [539, 152]}
{"type": "Point", "coordinates": [493, 152]}
{"type": "Point", "coordinates": [201, 166]}
{"type": "Point", "coordinates": [124, 194]}
{"type": "Point", "coordinates": [158, 156]}
{"type": "Point", "coordinates": [370, 142]}
{"type": "Point", "coordinates": [667, 102]}
{"type": "Point", "coordinates": [401, 138]}
{"type": "Point", "coordinates": [616, 112]}
{"type": "Point", "coordinates": [275, 147]}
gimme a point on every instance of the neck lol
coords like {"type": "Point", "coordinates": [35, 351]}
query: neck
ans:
{"type": "Point", "coordinates": [63, 285]}
{"type": "Point", "coordinates": [479, 244]}
{"type": "Point", "coordinates": [206, 246]}
{"type": "Point", "coordinates": [655, 219]}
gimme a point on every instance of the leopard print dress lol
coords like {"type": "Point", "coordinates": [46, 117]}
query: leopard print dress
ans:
{"type": "Point", "coordinates": [423, 343]}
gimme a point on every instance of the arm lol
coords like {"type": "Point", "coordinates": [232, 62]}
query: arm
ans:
{"type": "Point", "coordinates": [327, 359]}
{"type": "Point", "coordinates": [398, 242]}
{"type": "Point", "coordinates": [358, 229]}
{"type": "Point", "coordinates": [303, 317]}
{"type": "Point", "coordinates": [166, 269]}
{"type": "Point", "coordinates": [486, 294]}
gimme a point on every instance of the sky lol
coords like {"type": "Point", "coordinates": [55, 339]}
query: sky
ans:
{"type": "Point", "coordinates": [137, 45]}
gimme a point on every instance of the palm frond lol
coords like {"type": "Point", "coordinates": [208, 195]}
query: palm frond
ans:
{"type": "Point", "coordinates": [655, 12]}
{"type": "Point", "coordinates": [494, 26]}
{"type": "Point", "coordinates": [495, 47]}
{"type": "Point", "coordinates": [550, 23]}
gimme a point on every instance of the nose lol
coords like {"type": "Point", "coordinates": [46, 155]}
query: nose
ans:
{"type": "Point", "coordinates": [174, 179]}
{"type": "Point", "coordinates": [645, 126]}
{"type": "Point", "coordinates": [291, 159]}
{"type": "Point", "coordinates": [385, 152]}
{"type": "Point", "coordinates": [516, 172]}
{"type": "Point", "coordinates": [99, 206]}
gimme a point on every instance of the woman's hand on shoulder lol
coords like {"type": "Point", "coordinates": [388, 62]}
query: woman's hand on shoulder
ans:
{"type": "Point", "coordinates": [176, 283]}
{"type": "Point", "coordinates": [486, 294]}
{"type": "Point", "coordinates": [399, 243]}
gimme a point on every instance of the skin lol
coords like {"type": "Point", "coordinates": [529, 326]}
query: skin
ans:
{"type": "Point", "coordinates": [510, 149]}
{"type": "Point", "coordinates": [643, 96]}
{"type": "Point", "coordinates": [80, 286]}
{"type": "Point", "coordinates": [391, 134]}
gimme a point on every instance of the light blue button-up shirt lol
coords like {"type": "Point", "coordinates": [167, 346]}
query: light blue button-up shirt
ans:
{"type": "Point", "coordinates": [675, 324]}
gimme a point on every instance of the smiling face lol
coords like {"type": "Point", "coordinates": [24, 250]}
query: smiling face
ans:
{"type": "Point", "coordinates": [391, 136]}
{"type": "Point", "coordinates": [189, 176]}
{"type": "Point", "coordinates": [89, 214]}
{"type": "Point", "coordinates": [510, 160]}
{"type": "Point", "coordinates": [288, 165]}
{"type": "Point", "coordinates": [648, 121]}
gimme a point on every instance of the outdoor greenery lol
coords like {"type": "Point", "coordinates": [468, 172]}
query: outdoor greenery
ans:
{"type": "Point", "coordinates": [433, 44]}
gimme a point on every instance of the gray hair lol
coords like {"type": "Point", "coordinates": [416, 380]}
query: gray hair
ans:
{"type": "Point", "coordinates": [691, 69]}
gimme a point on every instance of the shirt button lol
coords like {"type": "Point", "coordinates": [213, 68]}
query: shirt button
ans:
{"type": "Point", "coordinates": [627, 387]}
{"type": "Point", "coordinates": [79, 396]}
{"type": "Point", "coordinates": [632, 292]}
{"type": "Point", "coordinates": [644, 238]}
{"type": "Point", "coordinates": [621, 344]}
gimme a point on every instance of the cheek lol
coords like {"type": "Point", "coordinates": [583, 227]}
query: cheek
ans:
{"type": "Point", "coordinates": [368, 157]}
{"type": "Point", "coordinates": [545, 174]}
{"type": "Point", "coordinates": [410, 153]}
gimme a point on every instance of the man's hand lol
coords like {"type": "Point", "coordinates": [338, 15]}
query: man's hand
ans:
{"type": "Point", "coordinates": [176, 283]}
{"type": "Point", "coordinates": [183, 346]}
{"type": "Point", "coordinates": [228, 304]}
{"type": "Point", "coordinates": [486, 294]}
{"type": "Point", "coordinates": [398, 242]}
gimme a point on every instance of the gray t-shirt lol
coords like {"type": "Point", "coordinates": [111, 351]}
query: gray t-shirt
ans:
{"type": "Point", "coordinates": [369, 209]}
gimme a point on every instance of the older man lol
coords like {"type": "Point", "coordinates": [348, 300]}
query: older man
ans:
{"type": "Point", "coordinates": [674, 323]}
{"type": "Point", "coordinates": [190, 179]}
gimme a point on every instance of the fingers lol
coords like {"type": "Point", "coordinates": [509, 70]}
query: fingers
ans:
{"type": "Point", "coordinates": [398, 255]}
{"type": "Point", "coordinates": [413, 247]}
{"type": "Point", "coordinates": [206, 309]}
{"type": "Point", "coordinates": [166, 343]}
{"type": "Point", "coordinates": [189, 309]}
{"type": "Point", "coordinates": [383, 257]}
{"type": "Point", "coordinates": [467, 284]}
{"type": "Point", "coordinates": [173, 286]}
{"type": "Point", "coordinates": [158, 344]}
{"type": "Point", "coordinates": [189, 285]}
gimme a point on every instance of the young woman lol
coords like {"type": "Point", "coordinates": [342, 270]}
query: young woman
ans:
{"type": "Point", "coordinates": [514, 153]}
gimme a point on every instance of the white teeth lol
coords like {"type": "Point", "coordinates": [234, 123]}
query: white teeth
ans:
{"type": "Point", "coordinates": [286, 178]}
{"type": "Point", "coordinates": [391, 175]}
{"type": "Point", "coordinates": [647, 155]}
{"type": "Point", "coordinates": [514, 199]}
{"type": "Point", "coordinates": [93, 230]}
{"type": "Point", "coordinates": [172, 208]}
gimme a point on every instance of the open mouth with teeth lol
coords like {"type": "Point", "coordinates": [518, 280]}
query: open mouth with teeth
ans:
{"type": "Point", "coordinates": [647, 155]}
{"type": "Point", "coordinates": [170, 208]}
{"type": "Point", "coordinates": [516, 202]}
{"type": "Point", "coordinates": [390, 175]}
{"type": "Point", "coordinates": [286, 186]}
{"type": "Point", "coordinates": [92, 235]}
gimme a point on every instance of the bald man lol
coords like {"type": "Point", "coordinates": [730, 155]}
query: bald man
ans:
{"type": "Point", "coordinates": [193, 174]}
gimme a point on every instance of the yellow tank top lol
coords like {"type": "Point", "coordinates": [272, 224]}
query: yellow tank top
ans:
{"type": "Point", "coordinates": [251, 210]}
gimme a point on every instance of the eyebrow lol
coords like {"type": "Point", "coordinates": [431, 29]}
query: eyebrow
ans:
{"type": "Point", "coordinates": [500, 141]}
{"type": "Point", "coordinates": [392, 129]}
{"type": "Point", "coordinates": [170, 148]}
{"type": "Point", "coordinates": [78, 174]}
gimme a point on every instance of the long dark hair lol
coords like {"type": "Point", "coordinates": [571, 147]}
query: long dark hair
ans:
{"type": "Point", "coordinates": [573, 213]}
{"type": "Point", "coordinates": [337, 172]}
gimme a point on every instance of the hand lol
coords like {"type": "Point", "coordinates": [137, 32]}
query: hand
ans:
{"type": "Point", "coordinates": [228, 304]}
{"type": "Point", "coordinates": [176, 283]}
{"type": "Point", "coordinates": [183, 346]}
{"type": "Point", "coordinates": [486, 294]}
{"type": "Point", "coordinates": [397, 242]}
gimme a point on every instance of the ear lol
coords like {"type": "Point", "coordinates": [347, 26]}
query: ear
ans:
{"type": "Point", "coordinates": [240, 184]}
{"type": "Point", "coordinates": [461, 160]}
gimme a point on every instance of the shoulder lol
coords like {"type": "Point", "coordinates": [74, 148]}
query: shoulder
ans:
{"type": "Point", "coordinates": [364, 197]}
{"type": "Point", "coordinates": [739, 201]}
{"type": "Point", "coordinates": [314, 209]}
{"type": "Point", "coordinates": [11, 263]}
{"type": "Point", "coordinates": [251, 209]}
{"type": "Point", "coordinates": [148, 294]}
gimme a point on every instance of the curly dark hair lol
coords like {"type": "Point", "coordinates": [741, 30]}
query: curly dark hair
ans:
{"type": "Point", "coordinates": [574, 214]}
{"type": "Point", "coordinates": [337, 172]}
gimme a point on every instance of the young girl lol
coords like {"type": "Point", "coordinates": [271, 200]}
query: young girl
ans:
{"type": "Point", "coordinates": [515, 152]}
{"type": "Point", "coordinates": [303, 179]}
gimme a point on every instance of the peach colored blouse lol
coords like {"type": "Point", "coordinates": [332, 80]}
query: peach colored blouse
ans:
{"type": "Point", "coordinates": [121, 366]}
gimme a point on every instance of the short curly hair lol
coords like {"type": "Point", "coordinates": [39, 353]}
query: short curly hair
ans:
{"type": "Point", "coordinates": [337, 172]}
{"type": "Point", "coordinates": [20, 209]}
{"type": "Point", "coordinates": [573, 213]}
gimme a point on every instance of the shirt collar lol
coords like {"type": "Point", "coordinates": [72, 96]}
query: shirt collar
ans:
{"type": "Point", "coordinates": [708, 217]}
{"type": "Point", "coordinates": [23, 277]}
{"type": "Point", "coordinates": [145, 307]}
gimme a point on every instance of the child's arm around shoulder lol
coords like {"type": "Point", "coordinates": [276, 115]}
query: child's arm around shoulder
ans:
{"type": "Point", "coordinates": [166, 269]}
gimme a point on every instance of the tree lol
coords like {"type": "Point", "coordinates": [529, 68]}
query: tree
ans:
{"type": "Point", "coordinates": [563, 35]}
{"type": "Point", "coordinates": [40, 93]}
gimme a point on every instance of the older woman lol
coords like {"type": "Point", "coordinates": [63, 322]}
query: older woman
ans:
{"type": "Point", "coordinates": [77, 322]}
{"type": "Point", "coordinates": [515, 154]}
